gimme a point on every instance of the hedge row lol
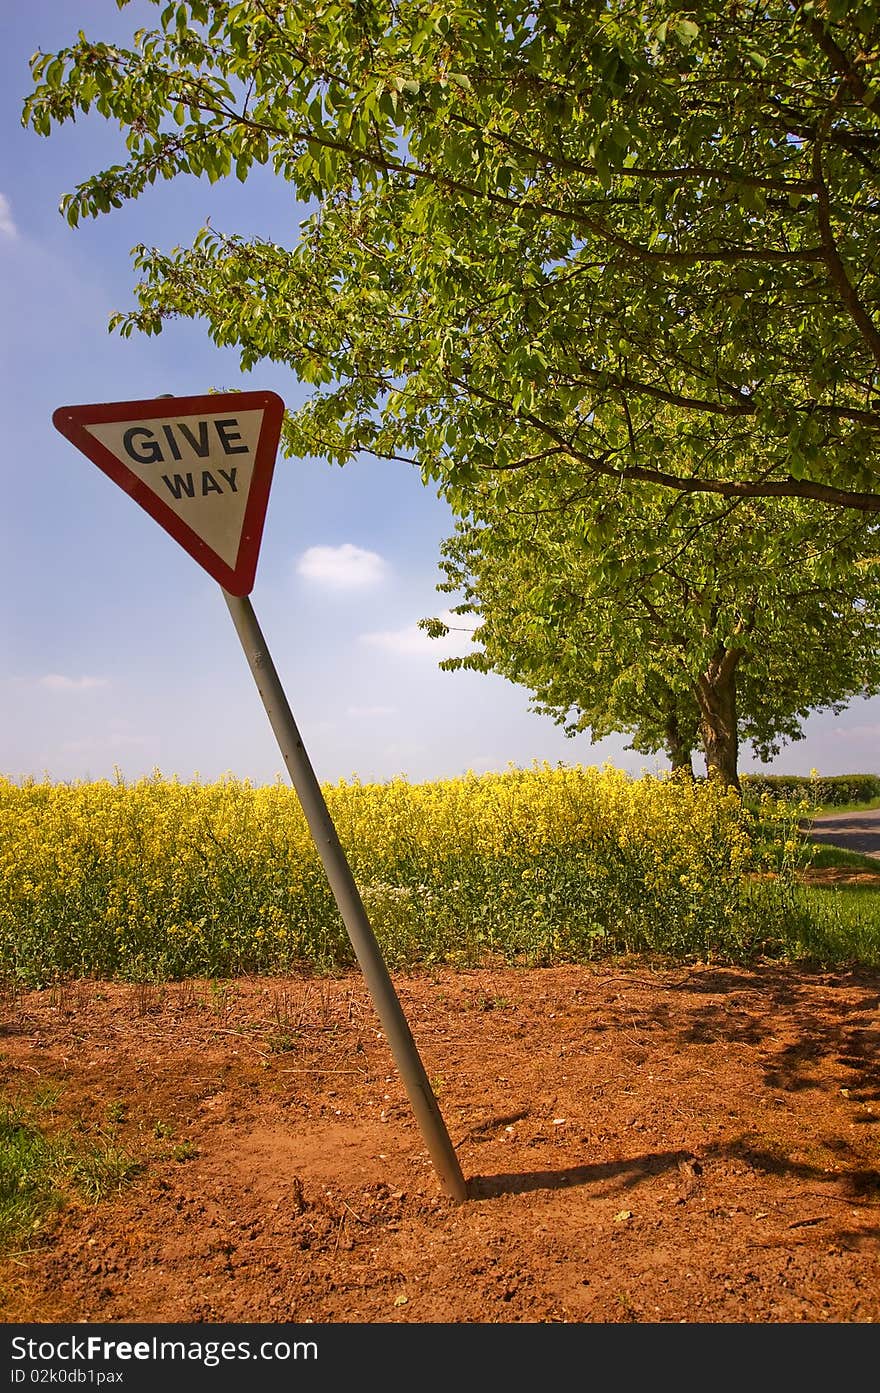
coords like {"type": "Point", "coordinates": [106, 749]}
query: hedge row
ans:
{"type": "Point", "coordinates": [836, 789]}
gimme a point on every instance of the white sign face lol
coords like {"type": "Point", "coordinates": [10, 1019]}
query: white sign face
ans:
{"type": "Point", "coordinates": [199, 466]}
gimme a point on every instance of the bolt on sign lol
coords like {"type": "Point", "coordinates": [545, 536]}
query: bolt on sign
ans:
{"type": "Point", "coordinates": [202, 468]}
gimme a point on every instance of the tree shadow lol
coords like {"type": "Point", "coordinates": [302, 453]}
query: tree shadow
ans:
{"type": "Point", "coordinates": [775, 1012]}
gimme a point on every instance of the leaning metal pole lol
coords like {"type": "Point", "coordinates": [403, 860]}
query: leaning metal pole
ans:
{"type": "Point", "coordinates": [347, 896]}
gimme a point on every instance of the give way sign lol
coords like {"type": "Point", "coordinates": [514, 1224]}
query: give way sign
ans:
{"type": "Point", "coordinates": [200, 466]}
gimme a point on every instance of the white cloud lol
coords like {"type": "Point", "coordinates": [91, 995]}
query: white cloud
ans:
{"type": "Point", "coordinates": [57, 682]}
{"type": "Point", "coordinates": [7, 226]}
{"type": "Point", "coordinates": [413, 640]}
{"type": "Point", "coordinates": [346, 567]}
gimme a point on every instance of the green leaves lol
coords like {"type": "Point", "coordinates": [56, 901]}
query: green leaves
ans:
{"type": "Point", "coordinates": [685, 31]}
{"type": "Point", "coordinates": [621, 613]}
{"type": "Point", "coordinates": [585, 239]}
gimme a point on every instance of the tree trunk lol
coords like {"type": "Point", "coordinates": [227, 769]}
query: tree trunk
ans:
{"type": "Point", "coordinates": [678, 748]}
{"type": "Point", "coordinates": [716, 695]}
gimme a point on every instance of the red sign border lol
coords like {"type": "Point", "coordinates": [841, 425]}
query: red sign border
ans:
{"type": "Point", "coordinates": [72, 421]}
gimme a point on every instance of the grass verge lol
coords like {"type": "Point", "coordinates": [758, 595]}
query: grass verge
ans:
{"type": "Point", "coordinates": [833, 809]}
{"type": "Point", "coordinates": [841, 925]}
{"type": "Point", "coordinates": [42, 1168]}
{"type": "Point", "coordinates": [823, 856]}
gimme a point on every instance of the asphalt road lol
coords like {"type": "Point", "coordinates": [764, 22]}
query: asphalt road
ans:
{"type": "Point", "coordinates": [851, 831]}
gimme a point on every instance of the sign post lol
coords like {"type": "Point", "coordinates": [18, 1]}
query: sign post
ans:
{"type": "Point", "coordinates": [202, 468]}
{"type": "Point", "coordinates": [347, 896]}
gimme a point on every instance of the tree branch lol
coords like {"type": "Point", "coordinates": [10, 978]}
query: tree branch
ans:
{"type": "Point", "coordinates": [833, 260]}
{"type": "Point", "coordinates": [788, 487]}
{"type": "Point", "coordinates": [840, 62]}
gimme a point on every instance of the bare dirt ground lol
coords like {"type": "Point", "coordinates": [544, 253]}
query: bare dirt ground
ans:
{"type": "Point", "coordinates": [642, 1144]}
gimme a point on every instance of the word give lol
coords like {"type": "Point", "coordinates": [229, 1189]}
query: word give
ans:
{"type": "Point", "coordinates": [181, 441]}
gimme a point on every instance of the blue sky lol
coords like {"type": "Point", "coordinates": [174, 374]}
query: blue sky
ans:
{"type": "Point", "coordinates": [116, 649]}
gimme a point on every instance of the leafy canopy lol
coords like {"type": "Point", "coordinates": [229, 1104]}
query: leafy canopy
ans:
{"type": "Point", "coordinates": [618, 619]}
{"type": "Point", "coordinates": [575, 240]}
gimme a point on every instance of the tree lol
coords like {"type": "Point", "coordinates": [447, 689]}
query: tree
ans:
{"type": "Point", "coordinates": [664, 624]}
{"type": "Point", "coordinates": [578, 241]}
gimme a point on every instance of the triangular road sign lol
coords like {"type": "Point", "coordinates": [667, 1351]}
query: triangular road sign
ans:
{"type": "Point", "coordinates": [200, 466]}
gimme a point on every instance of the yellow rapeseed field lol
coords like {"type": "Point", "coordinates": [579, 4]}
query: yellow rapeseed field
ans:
{"type": "Point", "coordinates": [159, 878]}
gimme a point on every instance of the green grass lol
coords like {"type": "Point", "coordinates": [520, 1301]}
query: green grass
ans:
{"type": "Point", "coordinates": [841, 925]}
{"type": "Point", "coordinates": [824, 809]}
{"type": "Point", "coordinates": [822, 855]}
{"type": "Point", "coordinates": [830, 809]}
{"type": "Point", "coordinates": [842, 922]}
{"type": "Point", "coordinates": [42, 1168]}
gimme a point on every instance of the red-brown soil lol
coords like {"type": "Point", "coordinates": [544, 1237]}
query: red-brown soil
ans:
{"type": "Point", "coordinates": [641, 1144]}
